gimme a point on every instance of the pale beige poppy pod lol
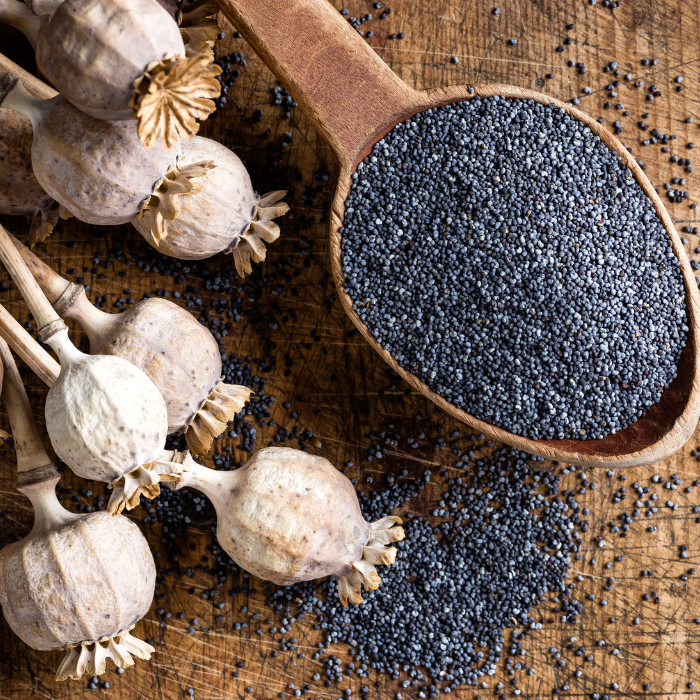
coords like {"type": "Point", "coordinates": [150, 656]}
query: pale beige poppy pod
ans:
{"type": "Point", "coordinates": [98, 170]}
{"type": "Point", "coordinates": [20, 191]}
{"type": "Point", "coordinates": [76, 582]}
{"type": "Point", "coordinates": [178, 353]}
{"type": "Point", "coordinates": [288, 516]}
{"type": "Point", "coordinates": [104, 416]}
{"type": "Point", "coordinates": [123, 59]}
{"type": "Point", "coordinates": [106, 419]}
{"type": "Point", "coordinates": [225, 215]}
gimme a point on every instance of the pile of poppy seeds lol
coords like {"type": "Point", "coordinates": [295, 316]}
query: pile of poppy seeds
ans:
{"type": "Point", "coordinates": [502, 542]}
{"type": "Point", "coordinates": [507, 258]}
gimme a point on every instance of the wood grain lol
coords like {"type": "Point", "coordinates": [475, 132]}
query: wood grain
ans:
{"type": "Point", "coordinates": [338, 374]}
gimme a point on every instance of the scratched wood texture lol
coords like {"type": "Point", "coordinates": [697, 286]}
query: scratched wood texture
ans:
{"type": "Point", "coordinates": [341, 389]}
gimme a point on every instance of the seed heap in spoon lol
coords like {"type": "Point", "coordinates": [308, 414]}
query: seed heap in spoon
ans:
{"type": "Point", "coordinates": [75, 582]}
{"type": "Point", "coordinates": [507, 258]}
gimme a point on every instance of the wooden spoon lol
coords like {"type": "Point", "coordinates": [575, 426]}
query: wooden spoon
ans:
{"type": "Point", "coordinates": [354, 100]}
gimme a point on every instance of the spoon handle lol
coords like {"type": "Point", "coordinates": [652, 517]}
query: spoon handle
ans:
{"type": "Point", "coordinates": [329, 69]}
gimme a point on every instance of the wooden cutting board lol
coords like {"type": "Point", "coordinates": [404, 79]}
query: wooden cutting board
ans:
{"type": "Point", "coordinates": [341, 389]}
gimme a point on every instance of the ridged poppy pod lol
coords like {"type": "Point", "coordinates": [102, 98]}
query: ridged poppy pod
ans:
{"type": "Point", "coordinates": [177, 352]}
{"type": "Point", "coordinates": [106, 419]}
{"type": "Point", "coordinates": [99, 170]}
{"type": "Point", "coordinates": [225, 215]}
{"type": "Point", "coordinates": [75, 582]}
{"type": "Point", "coordinates": [124, 59]}
{"type": "Point", "coordinates": [288, 516]}
{"type": "Point", "coordinates": [20, 191]}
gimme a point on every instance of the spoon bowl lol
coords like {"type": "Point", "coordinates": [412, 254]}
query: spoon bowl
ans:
{"type": "Point", "coordinates": [354, 100]}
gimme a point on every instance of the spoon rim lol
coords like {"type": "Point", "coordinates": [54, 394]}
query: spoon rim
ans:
{"type": "Point", "coordinates": [559, 450]}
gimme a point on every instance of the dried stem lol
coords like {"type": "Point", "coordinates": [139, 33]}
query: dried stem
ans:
{"type": "Point", "coordinates": [33, 463]}
{"type": "Point", "coordinates": [52, 284]}
{"type": "Point", "coordinates": [39, 305]}
{"type": "Point", "coordinates": [41, 363]}
{"type": "Point", "coordinates": [35, 86]}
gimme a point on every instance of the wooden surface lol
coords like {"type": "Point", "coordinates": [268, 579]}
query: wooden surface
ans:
{"type": "Point", "coordinates": [343, 391]}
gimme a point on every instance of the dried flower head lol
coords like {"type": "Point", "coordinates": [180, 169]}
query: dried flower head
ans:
{"type": "Point", "coordinates": [171, 95]}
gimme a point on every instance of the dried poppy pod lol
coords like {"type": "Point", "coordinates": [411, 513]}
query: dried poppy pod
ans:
{"type": "Point", "coordinates": [225, 215]}
{"type": "Point", "coordinates": [99, 170]}
{"type": "Point", "coordinates": [124, 59]}
{"type": "Point", "coordinates": [106, 419]}
{"type": "Point", "coordinates": [20, 191]}
{"type": "Point", "coordinates": [287, 516]}
{"type": "Point", "coordinates": [178, 353]}
{"type": "Point", "coordinates": [76, 582]}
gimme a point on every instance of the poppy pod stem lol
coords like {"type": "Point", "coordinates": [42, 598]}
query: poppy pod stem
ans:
{"type": "Point", "coordinates": [34, 466]}
{"type": "Point", "coordinates": [14, 95]}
